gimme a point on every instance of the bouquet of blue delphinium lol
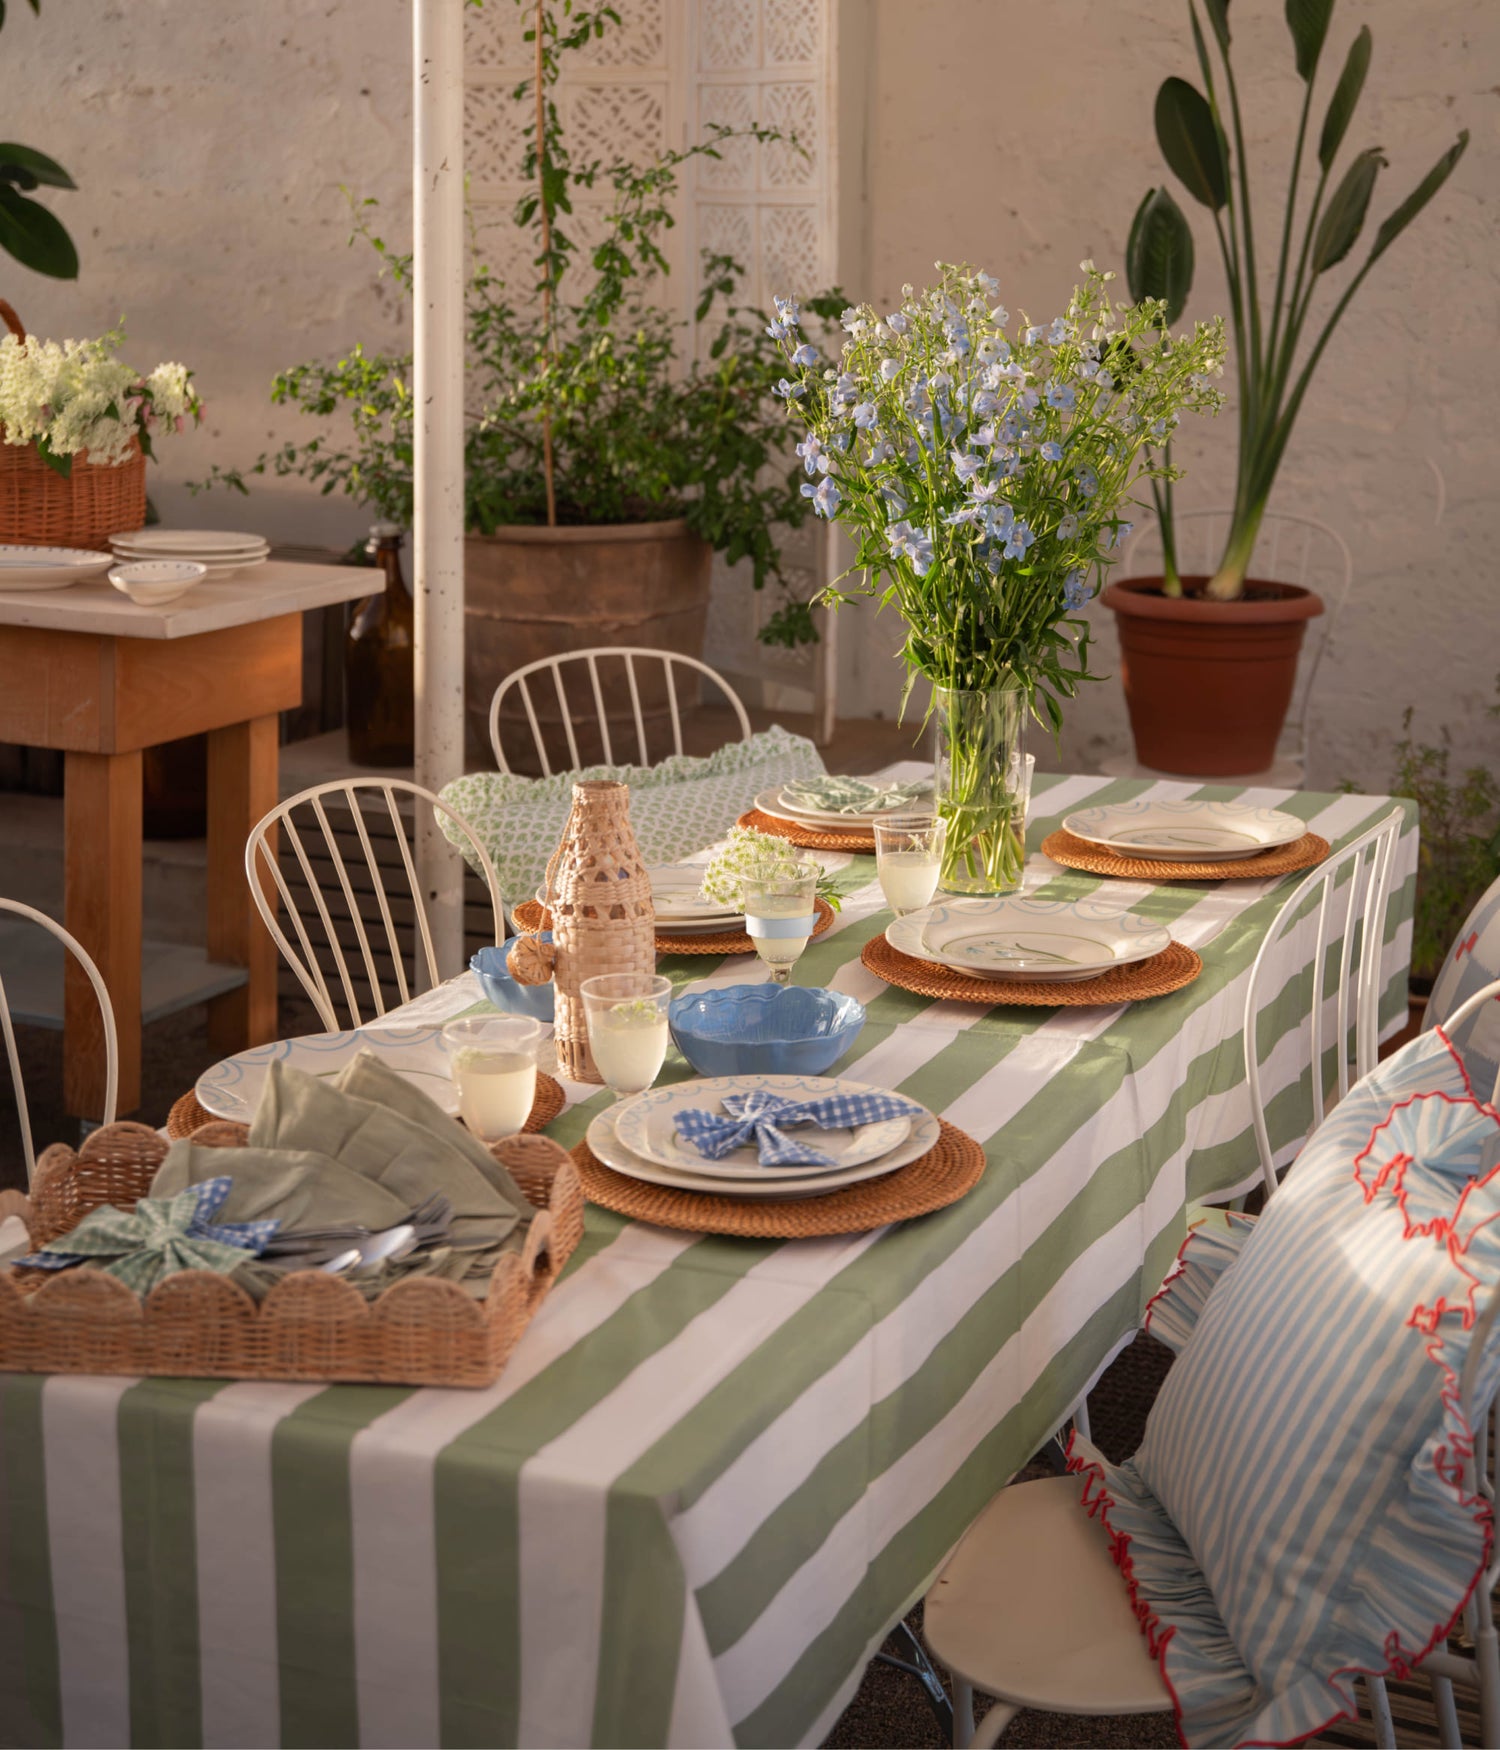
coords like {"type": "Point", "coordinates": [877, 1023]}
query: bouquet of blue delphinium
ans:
{"type": "Point", "coordinates": [982, 475]}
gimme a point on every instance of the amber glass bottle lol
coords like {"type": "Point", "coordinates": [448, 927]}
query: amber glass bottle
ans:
{"type": "Point", "coordinates": [378, 664]}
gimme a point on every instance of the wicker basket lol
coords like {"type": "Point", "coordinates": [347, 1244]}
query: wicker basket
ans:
{"type": "Point", "coordinates": [197, 1324]}
{"type": "Point", "coordinates": [39, 508]}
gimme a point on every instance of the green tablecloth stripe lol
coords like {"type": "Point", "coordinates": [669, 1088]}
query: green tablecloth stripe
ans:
{"type": "Point", "coordinates": [920, 1545]}
{"type": "Point", "coordinates": [32, 1711]}
{"type": "Point", "coordinates": [315, 1561]}
{"type": "Point", "coordinates": [157, 1521]}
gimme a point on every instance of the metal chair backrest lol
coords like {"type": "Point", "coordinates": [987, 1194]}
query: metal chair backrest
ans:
{"type": "Point", "coordinates": [343, 879]}
{"type": "Point", "coordinates": [106, 1011]}
{"type": "Point", "coordinates": [1290, 549]}
{"type": "Point", "coordinates": [593, 705]}
{"type": "Point", "coordinates": [1352, 889]}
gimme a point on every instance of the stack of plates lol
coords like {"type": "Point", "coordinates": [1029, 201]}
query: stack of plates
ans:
{"type": "Point", "coordinates": [49, 567]}
{"type": "Point", "coordinates": [638, 1137]}
{"type": "Point", "coordinates": [222, 552]}
{"type": "Point", "coordinates": [681, 909]}
{"type": "Point", "coordinates": [770, 802]}
{"type": "Point", "coordinates": [1185, 832]}
{"type": "Point", "coordinates": [1052, 941]}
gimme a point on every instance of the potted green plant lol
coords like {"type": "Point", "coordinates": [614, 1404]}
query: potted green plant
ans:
{"type": "Point", "coordinates": [606, 458]}
{"type": "Point", "coordinates": [1210, 662]}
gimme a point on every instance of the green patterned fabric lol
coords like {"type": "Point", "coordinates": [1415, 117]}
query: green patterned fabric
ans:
{"type": "Point", "coordinates": [676, 808]}
{"type": "Point", "coordinates": [714, 1471]}
{"type": "Point", "coordinates": [854, 795]}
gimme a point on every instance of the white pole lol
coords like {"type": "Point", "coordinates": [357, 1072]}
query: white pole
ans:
{"type": "Point", "coordinates": [438, 535]}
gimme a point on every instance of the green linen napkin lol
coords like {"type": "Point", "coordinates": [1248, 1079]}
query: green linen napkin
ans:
{"type": "Point", "coordinates": [829, 795]}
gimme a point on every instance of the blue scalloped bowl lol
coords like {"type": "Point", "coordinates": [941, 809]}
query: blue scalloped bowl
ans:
{"type": "Point", "coordinates": [764, 1029]}
{"type": "Point", "coordinates": [491, 967]}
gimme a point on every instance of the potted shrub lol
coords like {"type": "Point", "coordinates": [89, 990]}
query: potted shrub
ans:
{"type": "Point", "coordinates": [606, 460]}
{"type": "Point", "coordinates": [1209, 663]}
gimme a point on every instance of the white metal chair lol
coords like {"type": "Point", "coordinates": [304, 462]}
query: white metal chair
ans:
{"type": "Point", "coordinates": [593, 703]}
{"type": "Point", "coordinates": [106, 1011]}
{"type": "Point", "coordinates": [1351, 920]}
{"type": "Point", "coordinates": [1031, 1607]}
{"type": "Point", "coordinates": [1290, 549]}
{"type": "Point", "coordinates": [343, 881]}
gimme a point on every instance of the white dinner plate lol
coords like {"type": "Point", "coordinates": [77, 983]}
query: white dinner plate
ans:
{"type": "Point", "coordinates": [1054, 940]}
{"type": "Point", "coordinates": [646, 1125]}
{"type": "Point", "coordinates": [784, 1182]}
{"type": "Point", "coordinates": [769, 802]}
{"type": "Point", "coordinates": [50, 567]}
{"type": "Point", "coordinates": [1191, 832]}
{"type": "Point", "coordinates": [676, 897]}
{"type": "Point", "coordinates": [232, 1089]}
{"type": "Point", "coordinates": [191, 543]}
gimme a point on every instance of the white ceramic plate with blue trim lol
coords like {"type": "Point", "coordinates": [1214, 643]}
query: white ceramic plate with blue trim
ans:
{"type": "Point", "coordinates": [232, 1089]}
{"type": "Point", "coordinates": [828, 820]}
{"type": "Point", "coordinates": [1184, 832]}
{"type": "Point", "coordinates": [1054, 940]}
{"type": "Point", "coordinates": [37, 568]}
{"type": "Point", "coordinates": [646, 1125]}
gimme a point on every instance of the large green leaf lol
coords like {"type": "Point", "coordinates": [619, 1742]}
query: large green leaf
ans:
{"type": "Point", "coordinates": [38, 164]}
{"type": "Point", "coordinates": [1345, 215]}
{"type": "Point", "coordinates": [1192, 142]}
{"type": "Point", "coordinates": [35, 237]}
{"type": "Point", "coordinates": [1218, 17]}
{"type": "Point", "coordinates": [1419, 196]}
{"type": "Point", "coordinates": [1159, 254]}
{"type": "Point", "coordinates": [1308, 22]}
{"type": "Point", "coordinates": [1345, 97]}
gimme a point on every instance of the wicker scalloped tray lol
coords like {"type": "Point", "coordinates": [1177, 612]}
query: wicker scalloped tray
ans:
{"type": "Point", "coordinates": [1168, 971]}
{"type": "Point", "coordinates": [188, 1116]}
{"type": "Point", "coordinates": [196, 1324]}
{"type": "Point", "coordinates": [952, 1167]}
{"type": "Point", "coordinates": [809, 837]}
{"type": "Point", "coordinates": [530, 916]}
{"type": "Point", "coordinates": [1075, 853]}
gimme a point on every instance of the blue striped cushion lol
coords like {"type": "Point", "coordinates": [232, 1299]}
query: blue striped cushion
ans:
{"type": "Point", "coordinates": [1294, 1514]}
{"type": "Point", "coordinates": [1473, 962]}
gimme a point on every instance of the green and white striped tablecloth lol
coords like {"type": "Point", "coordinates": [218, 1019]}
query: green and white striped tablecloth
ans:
{"type": "Point", "coordinates": [714, 1471]}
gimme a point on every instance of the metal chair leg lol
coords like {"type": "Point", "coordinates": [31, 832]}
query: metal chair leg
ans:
{"type": "Point", "coordinates": [922, 1668]}
{"type": "Point", "coordinates": [993, 1725]}
{"type": "Point", "coordinates": [1380, 1713]}
{"type": "Point", "coordinates": [1447, 1712]}
{"type": "Point", "coordinates": [963, 1714]}
{"type": "Point", "coordinates": [1081, 1419]}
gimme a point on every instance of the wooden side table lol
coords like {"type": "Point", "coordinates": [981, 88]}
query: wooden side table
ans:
{"type": "Point", "coordinates": [86, 671]}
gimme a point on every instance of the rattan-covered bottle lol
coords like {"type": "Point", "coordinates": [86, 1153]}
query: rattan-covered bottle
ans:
{"type": "Point", "coordinates": [602, 918]}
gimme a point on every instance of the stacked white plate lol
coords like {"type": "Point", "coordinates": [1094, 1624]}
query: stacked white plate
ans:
{"type": "Point", "coordinates": [222, 552]}
{"type": "Point", "coordinates": [1054, 941]}
{"type": "Point", "coordinates": [770, 802]}
{"type": "Point", "coordinates": [638, 1137]}
{"type": "Point", "coordinates": [49, 567]}
{"type": "Point", "coordinates": [681, 909]}
{"type": "Point", "coordinates": [1184, 832]}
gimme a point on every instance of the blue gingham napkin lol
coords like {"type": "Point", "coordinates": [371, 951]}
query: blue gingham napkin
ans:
{"type": "Point", "coordinates": [763, 1118]}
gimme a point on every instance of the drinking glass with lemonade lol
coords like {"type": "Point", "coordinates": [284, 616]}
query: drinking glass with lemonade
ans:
{"type": "Point", "coordinates": [909, 859]}
{"type": "Point", "coordinates": [627, 1021]}
{"type": "Point", "coordinates": [779, 915]}
{"type": "Point", "coordinates": [493, 1060]}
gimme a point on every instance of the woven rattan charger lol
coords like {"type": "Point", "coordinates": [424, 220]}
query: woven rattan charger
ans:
{"type": "Point", "coordinates": [530, 916]}
{"type": "Point", "coordinates": [810, 838]}
{"type": "Point", "coordinates": [952, 1167]}
{"type": "Point", "coordinates": [187, 1115]}
{"type": "Point", "coordinates": [1168, 971]}
{"type": "Point", "coordinates": [1075, 853]}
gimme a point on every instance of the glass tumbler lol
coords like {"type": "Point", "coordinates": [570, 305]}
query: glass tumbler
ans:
{"type": "Point", "coordinates": [909, 859]}
{"type": "Point", "coordinates": [493, 1062]}
{"type": "Point", "coordinates": [627, 1020]}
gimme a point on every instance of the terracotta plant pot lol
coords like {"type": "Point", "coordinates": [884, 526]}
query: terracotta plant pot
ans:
{"type": "Point", "coordinates": [532, 592]}
{"type": "Point", "coordinates": [1208, 683]}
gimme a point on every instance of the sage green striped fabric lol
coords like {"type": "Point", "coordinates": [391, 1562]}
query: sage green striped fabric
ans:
{"type": "Point", "coordinates": [714, 1472]}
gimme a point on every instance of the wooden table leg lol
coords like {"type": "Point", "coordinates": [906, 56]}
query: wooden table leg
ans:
{"type": "Point", "coordinates": [102, 907]}
{"type": "Point", "coordinates": [242, 765]}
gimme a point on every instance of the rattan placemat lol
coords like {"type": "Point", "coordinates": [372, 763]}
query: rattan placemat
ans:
{"type": "Point", "coordinates": [809, 837]}
{"type": "Point", "coordinates": [950, 1168]}
{"type": "Point", "coordinates": [1167, 971]}
{"type": "Point", "coordinates": [187, 1115]}
{"type": "Point", "coordinates": [529, 915]}
{"type": "Point", "coordinates": [1075, 853]}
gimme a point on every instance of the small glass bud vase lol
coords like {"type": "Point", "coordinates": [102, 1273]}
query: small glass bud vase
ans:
{"type": "Point", "coordinates": [983, 787]}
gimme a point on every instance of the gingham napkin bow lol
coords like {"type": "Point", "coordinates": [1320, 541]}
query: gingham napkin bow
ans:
{"type": "Point", "coordinates": [763, 1118]}
{"type": "Point", "coordinates": [164, 1235]}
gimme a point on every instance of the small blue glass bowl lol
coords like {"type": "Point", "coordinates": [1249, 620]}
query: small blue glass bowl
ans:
{"type": "Point", "coordinates": [764, 1029]}
{"type": "Point", "coordinates": [490, 965]}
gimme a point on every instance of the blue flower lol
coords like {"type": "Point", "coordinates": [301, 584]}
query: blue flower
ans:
{"type": "Point", "coordinates": [889, 367]}
{"type": "Point", "coordinates": [987, 283]}
{"type": "Point", "coordinates": [825, 496]}
{"type": "Point", "coordinates": [790, 391]}
{"type": "Point", "coordinates": [1075, 589]}
{"type": "Point", "coordinates": [1088, 482]}
{"type": "Point", "coordinates": [805, 355]}
{"type": "Point", "coordinates": [852, 319]}
{"type": "Point", "coordinates": [1059, 395]}
{"type": "Point", "coordinates": [1052, 452]}
{"type": "Point", "coordinates": [777, 330]}
{"type": "Point", "coordinates": [967, 513]}
{"type": "Point", "coordinates": [1030, 400]}
{"type": "Point", "coordinates": [986, 401]}
{"type": "Point", "coordinates": [788, 310]}
{"type": "Point", "coordinates": [1020, 539]}
{"type": "Point", "coordinates": [1032, 336]}
{"type": "Point", "coordinates": [897, 323]}
{"type": "Point", "coordinates": [982, 491]}
{"type": "Point", "coordinates": [1058, 332]}
{"type": "Point", "coordinates": [1067, 528]}
{"type": "Point", "coordinates": [914, 545]}
{"type": "Point", "coordinates": [884, 451]}
{"type": "Point", "coordinates": [965, 466]}
{"type": "Point", "coordinates": [864, 415]}
{"type": "Point", "coordinates": [812, 454]}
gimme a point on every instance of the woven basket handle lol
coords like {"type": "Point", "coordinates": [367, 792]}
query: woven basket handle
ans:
{"type": "Point", "coordinates": [12, 321]}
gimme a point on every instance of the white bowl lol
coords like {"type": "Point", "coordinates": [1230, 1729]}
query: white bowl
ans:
{"type": "Point", "coordinates": [152, 583]}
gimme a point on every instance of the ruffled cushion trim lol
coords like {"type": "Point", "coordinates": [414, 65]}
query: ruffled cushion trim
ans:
{"type": "Point", "coordinates": [1203, 1257]}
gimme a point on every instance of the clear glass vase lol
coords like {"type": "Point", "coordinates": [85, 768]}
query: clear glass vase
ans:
{"type": "Point", "coordinates": [983, 784]}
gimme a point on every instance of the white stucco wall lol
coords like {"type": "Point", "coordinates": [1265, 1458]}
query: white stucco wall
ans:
{"type": "Point", "coordinates": [210, 142]}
